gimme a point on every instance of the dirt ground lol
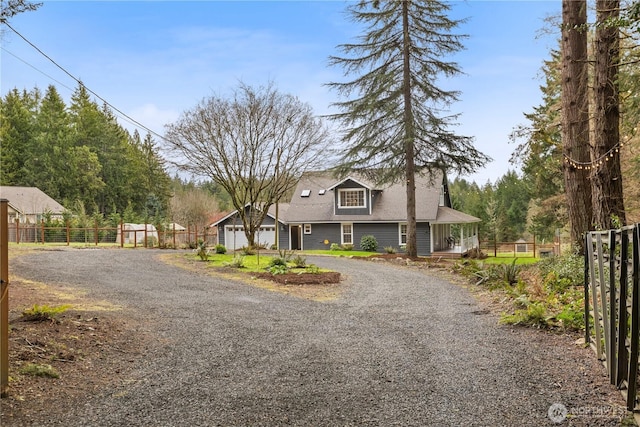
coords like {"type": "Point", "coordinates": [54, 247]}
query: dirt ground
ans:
{"type": "Point", "coordinates": [94, 344]}
{"type": "Point", "coordinates": [89, 346]}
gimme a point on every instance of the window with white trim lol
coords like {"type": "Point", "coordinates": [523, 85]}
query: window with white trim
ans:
{"type": "Point", "coordinates": [347, 233]}
{"type": "Point", "coordinates": [351, 198]}
{"type": "Point", "coordinates": [307, 229]}
{"type": "Point", "coordinates": [402, 229]}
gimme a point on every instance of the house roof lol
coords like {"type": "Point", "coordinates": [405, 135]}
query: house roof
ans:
{"type": "Point", "coordinates": [388, 202]}
{"type": "Point", "coordinates": [282, 208]}
{"type": "Point", "coordinates": [30, 200]}
{"type": "Point", "coordinates": [448, 215]}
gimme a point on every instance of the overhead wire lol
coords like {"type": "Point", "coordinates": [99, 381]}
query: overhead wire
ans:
{"type": "Point", "coordinates": [35, 68]}
{"type": "Point", "coordinates": [122, 114]}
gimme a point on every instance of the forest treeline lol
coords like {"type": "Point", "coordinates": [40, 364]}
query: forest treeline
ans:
{"type": "Point", "coordinates": [533, 201]}
{"type": "Point", "coordinates": [82, 157]}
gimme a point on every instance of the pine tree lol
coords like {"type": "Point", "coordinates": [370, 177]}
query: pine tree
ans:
{"type": "Point", "coordinates": [395, 117]}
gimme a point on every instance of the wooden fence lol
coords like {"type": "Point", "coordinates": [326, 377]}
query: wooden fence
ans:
{"type": "Point", "coordinates": [140, 235]}
{"type": "Point", "coordinates": [612, 305]}
{"type": "Point", "coordinates": [520, 248]}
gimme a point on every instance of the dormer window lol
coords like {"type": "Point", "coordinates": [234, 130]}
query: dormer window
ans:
{"type": "Point", "coordinates": [351, 198]}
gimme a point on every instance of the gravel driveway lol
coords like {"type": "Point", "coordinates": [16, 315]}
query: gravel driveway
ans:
{"type": "Point", "coordinates": [398, 348]}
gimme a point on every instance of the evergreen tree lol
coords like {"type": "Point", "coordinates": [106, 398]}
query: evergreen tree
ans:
{"type": "Point", "coordinates": [394, 115]}
{"type": "Point", "coordinates": [50, 146]}
{"type": "Point", "coordinates": [540, 155]}
{"type": "Point", "coordinates": [16, 134]}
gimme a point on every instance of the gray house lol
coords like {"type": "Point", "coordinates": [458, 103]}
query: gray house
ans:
{"type": "Point", "coordinates": [325, 210]}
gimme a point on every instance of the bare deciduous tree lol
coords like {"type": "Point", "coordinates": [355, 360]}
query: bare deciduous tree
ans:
{"type": "Point", "coordinates": [192, 206]}
{"type": "Point", "coordinates": [255, 145]}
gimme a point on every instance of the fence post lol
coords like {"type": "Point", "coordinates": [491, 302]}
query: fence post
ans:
{"type": "Point", "coordinates": [612, 358]}
{"type": "Point", "coordinates": [68, 233]}
{"type": "Point", "coordinates": [174, 236]}
{"type": "Point", "coordinates": [623, 328]}
{"type": "Point", "coordinates": [635, 324]}
{"type": "Point", "coordinates": [4, 298]}
{"type": "Point", "coordinates": [121, 234]}
{"type": "Point", "coordinates": [42, 231]}
{"type": "Point", "coordinates": [587, 332]}
{"type": "Point", "coordinates": [145, 233]}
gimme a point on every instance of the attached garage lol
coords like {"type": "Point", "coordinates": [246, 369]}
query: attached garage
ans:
{"type": "Point", "coordinates": [235, 238]}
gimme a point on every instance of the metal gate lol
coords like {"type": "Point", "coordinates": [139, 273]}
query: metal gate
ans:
{"type": "Point", "coordinates": [612, 305]}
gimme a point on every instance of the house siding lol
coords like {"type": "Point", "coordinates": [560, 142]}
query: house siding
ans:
{"type": "Point", "coordinates": [283, 236]}
{"type": "Point", "coordinates": [387, 234]}
{"type": "Point", "coordinates": [320, 233]}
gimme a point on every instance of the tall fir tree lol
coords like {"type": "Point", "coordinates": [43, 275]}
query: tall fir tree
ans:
{"type": "Point", "coordinates": [16, 133]}
{"type": "Point", "coordinates": [395, 117]}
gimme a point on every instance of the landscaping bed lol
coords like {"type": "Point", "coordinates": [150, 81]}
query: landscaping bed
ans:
{"type": "Point", "coordinates": [322, 278]}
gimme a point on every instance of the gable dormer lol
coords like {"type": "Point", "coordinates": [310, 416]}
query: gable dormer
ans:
{"type": "Point", "coordinates": [352, 197]}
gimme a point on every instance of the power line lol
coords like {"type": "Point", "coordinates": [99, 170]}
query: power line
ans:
{"type": "Point", "coordinates": [123, 115]}
{"type": "Point", "coordinates": [35, 68]}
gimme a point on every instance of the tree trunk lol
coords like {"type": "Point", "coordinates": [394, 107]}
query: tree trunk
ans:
{"type": "Point", "coordinates": [606, 178]}
{"type": "Point", "coordinates": [575, 118]}
{"type": "Point", "coordinates": [412, 247]}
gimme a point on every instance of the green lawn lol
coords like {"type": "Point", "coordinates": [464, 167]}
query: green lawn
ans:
{"type": "Point", "coordinates": [509, 260]}
{"type": "Point", "coordinates": [338, 253]}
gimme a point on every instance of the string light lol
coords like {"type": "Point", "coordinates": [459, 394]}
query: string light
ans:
{"type": "Point", "coordinates": [596, 163]}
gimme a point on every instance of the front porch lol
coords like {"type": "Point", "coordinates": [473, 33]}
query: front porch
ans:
{"type": "Point", "coordinates": [453, 241]}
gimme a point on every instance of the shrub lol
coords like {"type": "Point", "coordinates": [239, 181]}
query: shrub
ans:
{"type": "Point", "coordinates": [202, 250]}
{"type": "Point", "coordinates": [299, 261]}
{"type": "Point", "coordinates": [572, 315]}
{"type": "Point", "coordinates": [236, 262]}
{"type": "Point", "coordinates": [347, 247]}
{"type": "Point", "coordinates": [510, 272]}
{"type": "Point", "coordinates": [335, 247]}
{"type": "Point", "coordinates": [221, 249]}
{"type": "Point", "coordinates": [568, 266]}
{"type": "Point", "coordinates": [312, 268]}
{"type": "Point", "coordinates": [369, 243]}
{"type": "Point", "coordinates": [278, 269]}
{"type": "Point", "coordinates": [390, 249]}
{"type": "Point", "coordinates": [248, 250]}
{"type": "Point", "coordinates": [534, 315]}
{"type": "Point", "coordinates": [277, 261]}
{"type": "Point", "coordinates": [285, 254]}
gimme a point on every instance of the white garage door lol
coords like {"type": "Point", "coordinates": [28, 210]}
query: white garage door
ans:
{"type": "Point", "coordinates": [234, 237]}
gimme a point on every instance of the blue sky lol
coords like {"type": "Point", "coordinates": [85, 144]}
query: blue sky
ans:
{"type": "Point", "coordinates": [155, 59]}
